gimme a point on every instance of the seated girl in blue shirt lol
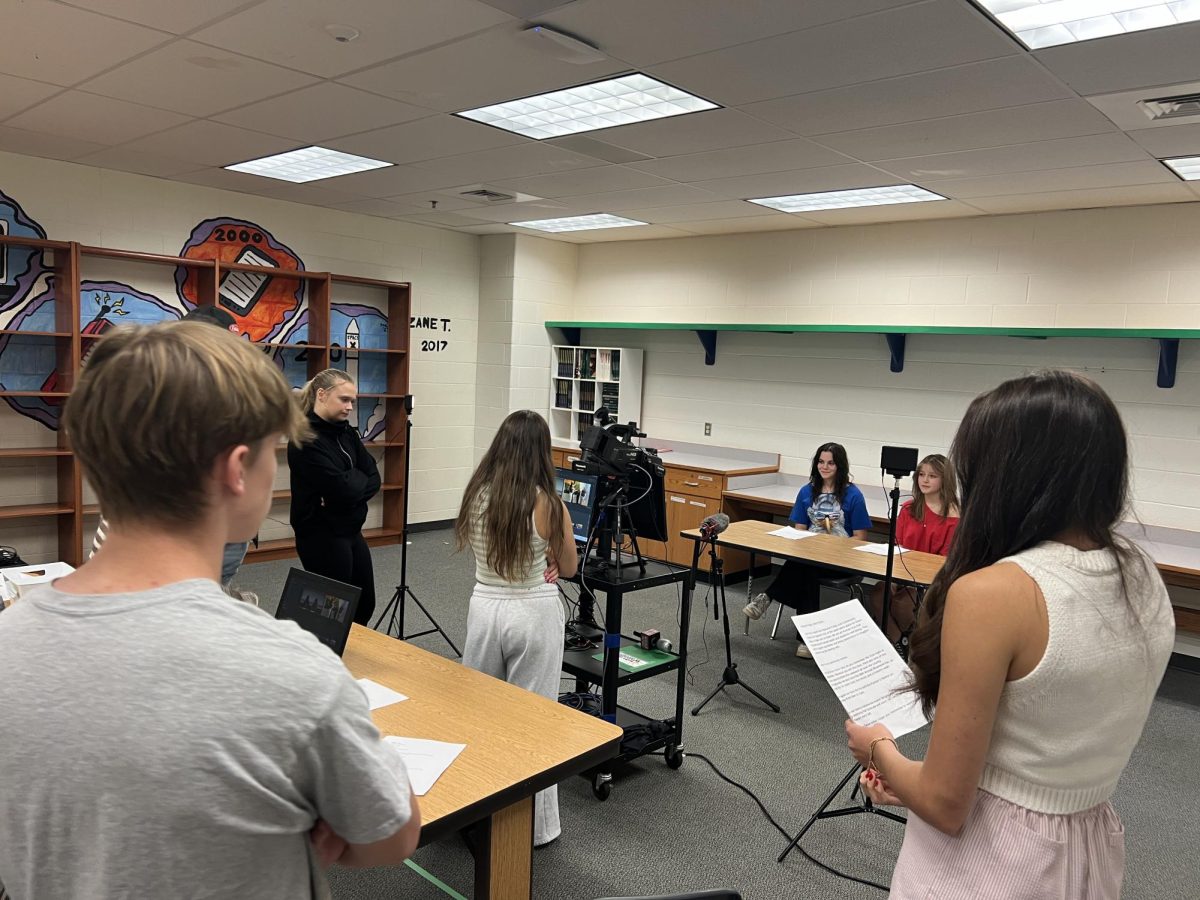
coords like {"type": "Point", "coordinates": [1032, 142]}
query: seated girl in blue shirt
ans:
{"type": "Point", "coordinates": [829, 503]}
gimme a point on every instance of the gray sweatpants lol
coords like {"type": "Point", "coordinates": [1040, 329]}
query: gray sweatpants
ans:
{"type": "Point", "coordinates": [516, 634]}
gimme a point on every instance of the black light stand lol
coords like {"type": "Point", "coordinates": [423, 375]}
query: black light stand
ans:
{"type": "Point", "coordinates": [823, 811]}
{"type": "Point", "coordinates": [730, 675]}
{"type": "Point", "coordinates": [403, 591]}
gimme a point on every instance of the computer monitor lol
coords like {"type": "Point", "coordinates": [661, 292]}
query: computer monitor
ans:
{"type": "Point", "coordinates": [319, 605]}
{"type": "Point", "coordinates": [578, 492]}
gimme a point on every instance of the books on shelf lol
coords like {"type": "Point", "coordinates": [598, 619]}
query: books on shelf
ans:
{"type": "Point", "coordinates": [585, 363]}
{"type": "Point", "coordinates": [587, 395]}
{"type": "Point", "coordinates": [585, 422]}
{"type": "Point", "coordinates": [562, 394]}
{"type": "Point", "coordinates": [610, 396]}
{"type": "Point", "coordinates": [566, 362]}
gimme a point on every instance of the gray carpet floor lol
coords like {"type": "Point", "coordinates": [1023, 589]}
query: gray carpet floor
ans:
{"type": "Point", "coordinates": [665, 831]}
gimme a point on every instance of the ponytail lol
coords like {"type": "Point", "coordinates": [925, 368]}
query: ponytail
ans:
{"type": "Point", "coordinates": [323, 381]}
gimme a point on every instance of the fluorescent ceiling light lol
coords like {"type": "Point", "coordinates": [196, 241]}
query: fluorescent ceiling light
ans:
{"type": "Point", "coordinates": [1186, 167]}
{"type": "Point", "coordinates": [308, 164]}
{"type": "Point", "coordinates": [880, 196]}
{"type": "Point", "coordinates": [602, 104]}
{"type": "Point", "coordinates": [579, 223]}
{"type": "Point", "coordinates": [1047, 23]}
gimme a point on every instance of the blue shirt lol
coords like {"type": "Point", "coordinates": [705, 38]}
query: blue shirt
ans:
{"type": "Point", "coordinates": [828, 515]}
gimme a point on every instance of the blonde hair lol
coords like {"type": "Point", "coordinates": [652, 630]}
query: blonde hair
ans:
{"type": "Point", "coordinates": [947, 495]}
{"type": "Point", "coordinates": [157, 405]}
{"type": "Point", "coordinates": [322, 381]}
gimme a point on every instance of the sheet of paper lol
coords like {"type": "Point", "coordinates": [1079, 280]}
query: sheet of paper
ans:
{"type": "Point", "coordinates": [881, 549]}
{"type": "Point", "coordinates": [792, 534]}
{"type": "Point", "coordinates": [425, 760]}
{"type": "Point", "coordinates": [861, 666]}
{"type": "Point", "coordinates": [379, 696]}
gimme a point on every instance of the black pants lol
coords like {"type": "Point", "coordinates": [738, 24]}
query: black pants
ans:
{"type": "Point", "coordinates": [797, 585]}
{"type": "Point", "coordinates": [345, 559]}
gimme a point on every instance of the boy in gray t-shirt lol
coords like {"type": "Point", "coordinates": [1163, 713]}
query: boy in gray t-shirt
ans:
{"type": "Point", "coordinates": [160, 739]}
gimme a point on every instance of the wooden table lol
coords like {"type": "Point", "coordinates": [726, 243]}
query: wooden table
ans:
{"type": "Point", "coordinates": [517, 744]}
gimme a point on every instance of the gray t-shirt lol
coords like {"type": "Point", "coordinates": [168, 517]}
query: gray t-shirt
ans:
{"type": "Point", "coordinates": [176, 743]}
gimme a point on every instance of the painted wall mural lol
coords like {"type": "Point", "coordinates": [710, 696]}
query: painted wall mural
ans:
{"type": "Point", "coordinates": [270, 310]}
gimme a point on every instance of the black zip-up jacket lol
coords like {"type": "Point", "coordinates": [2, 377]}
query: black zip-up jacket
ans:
{"type": "Point", "coordinates": [333, 477]}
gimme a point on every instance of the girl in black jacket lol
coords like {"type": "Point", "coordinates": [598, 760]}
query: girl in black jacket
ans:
{"type": "Point", "coordinates": [333, 477]}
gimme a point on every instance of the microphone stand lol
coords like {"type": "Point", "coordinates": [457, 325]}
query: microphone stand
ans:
{"type": "Point", "coordinates": [730, 675]}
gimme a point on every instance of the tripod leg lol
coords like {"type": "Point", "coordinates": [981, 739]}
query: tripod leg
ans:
{"type": "Point", "coordinates": [391, 607]}
{"type": "Point", "coordinates": [818, 814]}
{"type": "Point", "coordinates": [758, 695]}
{"type": "Point", "coordinates": [432, 621]}
{"type": "Point", "coordinates": [699, 706]}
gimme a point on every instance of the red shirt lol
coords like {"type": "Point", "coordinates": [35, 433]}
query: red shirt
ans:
{"type": "Point", "coordinates": [932, 534]}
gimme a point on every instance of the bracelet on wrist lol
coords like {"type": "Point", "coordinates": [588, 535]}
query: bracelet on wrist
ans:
{"type": "Point", "coordinates": [871, 767]}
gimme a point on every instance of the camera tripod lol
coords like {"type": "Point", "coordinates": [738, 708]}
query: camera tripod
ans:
{"type": "Point", "coordinates": [403, 592]}
{"type": "Point", "coordinates": [730, 676]}
{"type": "Point", "coordinates": [823, 811]}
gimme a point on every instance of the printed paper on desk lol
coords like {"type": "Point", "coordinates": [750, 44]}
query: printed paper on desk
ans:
{"type": "Point", "coordinates": [792, 534]}
{"type": "Point", "coordinates": [861, 666]}
{"type": "Point", "coordinates": [425, 760]}
{"type": "Point", "coordinates": [881, 549]}
{"type": "Point", "coordinates": [379, 696]}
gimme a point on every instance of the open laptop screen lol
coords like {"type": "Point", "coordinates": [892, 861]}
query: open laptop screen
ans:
{"type": "Point", "coordinates": [578, 492]}
{"type": "Point", "coordinates": [319, 605]}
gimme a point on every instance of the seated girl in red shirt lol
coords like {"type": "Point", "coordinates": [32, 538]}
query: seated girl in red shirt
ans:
{"type": "Point", "coordinates": [925, 523]}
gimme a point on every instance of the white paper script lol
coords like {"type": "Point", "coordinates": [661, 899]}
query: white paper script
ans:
{"type": "Point", "coordinates": [378, 695]}
{"type": "Point", "coordinates": [425, 760]}
{"type": "Point", "coordinates": [861, 666]}
{"type": "Point", "coordinates": [792, 534]}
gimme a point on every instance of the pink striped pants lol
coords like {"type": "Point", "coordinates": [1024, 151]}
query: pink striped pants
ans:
{"type": "Point", "coordinates": [1007, 852]}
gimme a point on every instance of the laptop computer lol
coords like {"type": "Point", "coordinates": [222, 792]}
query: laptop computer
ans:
{"type": "Point", "coordinates": [321, 606]}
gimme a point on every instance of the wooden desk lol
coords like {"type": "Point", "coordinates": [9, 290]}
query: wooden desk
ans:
{"type": "Point", "coordinates": [836, 553]}
{"type": "Point", "coordinates": [517, 744]}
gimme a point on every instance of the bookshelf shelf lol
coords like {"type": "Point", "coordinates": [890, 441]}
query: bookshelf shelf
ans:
{"type": "Point", "coordinates": [582, 379]}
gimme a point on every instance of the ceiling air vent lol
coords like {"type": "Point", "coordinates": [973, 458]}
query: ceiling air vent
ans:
{"type": "Point", "coordinates": [1177, 107]}
{"type": "Point", "coordinates": [489, 196]}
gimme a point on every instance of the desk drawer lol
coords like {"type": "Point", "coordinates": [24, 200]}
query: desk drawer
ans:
{"type": "Point", "coordinates": [689, 481]}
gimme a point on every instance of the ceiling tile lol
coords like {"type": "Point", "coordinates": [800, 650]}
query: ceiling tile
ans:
{"type": "Point", "coordinates": [595, 180]}
{"type": "Point", "coordinates": [630, 201]}
{"type": "Point", "coordinates": [528, 210]}
{"type": "Point", "coordinates": [902, 212]}
{"type": "Point", "coordinates": [315, 114]}
{"type": "Point", "coordinates": [778, 222]}
{"type": "Point", "coordinates": [1126, 61]}
{"type": "Point", "coordinates": [993, 128]}
{"type": "Point", "coordinates": [1138, 195]}
{"type": "Point", "coordinates": [992, 84]}
{"type": "Point", "coordinates": [1077, 178]}
{"type": "Point", "coordinates": [47, 146]}
{"type": "Point", "coordinates": [670, 29]}
{"type": "Point", "coordinates": [1178, 140]}
{"type": "Point", "coordinates": [213, 144]}
{"type": "Point", "coordinates": [127, 159]}
{"type": "Point", "coordinates": [714, 129]}
{"type": "Point", "coordinates": [900, 42]}
{"type": "Point", "coordinates": [430, 138]}
{"type": "Point", "coordinates": [589, 146]}
{"type": "Point", "coordinates": [292, 32]}
{"type": "Point", "coordinates": [384, 208]}
{"type": "Point", "coordinates": [523, 9]}
{"type": "Point", "coordinates": [493, 228]}
{"type": "Point", "coordinates": [528, 158]}
{"type": "Point", "coordinates": [196, 80]}
{"type": "Point", "coordinates": [699, 212]}
{"type": "Point", "coordinates": [17, 94]}
{"type": "Point", "coordinates": [448, 78]}
{"type": "Point", "coordinates": [241, 182]}
{"type": "Point", "coordinates": [173, 17]}
{"type": "Point", "coordinates": [63, 45]}
{"type": "Point", "coordinates": [778, 184]}
{"type": "Point", "coordinates": [396, 180]}
{"type": "Point", "coordinates": [443, 218]}
{"type": "Point", "coordinates": [1092, 150]}
{"type": "Point", "coordinates": [87, 117]}
{"type": "Point", "coordinates": [779, 156]}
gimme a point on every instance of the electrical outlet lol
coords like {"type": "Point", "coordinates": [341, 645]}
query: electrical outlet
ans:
{"type": "Point", "coordinates": [707, 429]}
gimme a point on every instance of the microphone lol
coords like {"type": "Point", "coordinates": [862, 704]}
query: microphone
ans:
{"type": "Point", "coordinates": [713, 525]}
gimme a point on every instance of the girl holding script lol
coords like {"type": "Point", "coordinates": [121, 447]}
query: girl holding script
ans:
{"type": "Point", "coordinates": [1041, 643]}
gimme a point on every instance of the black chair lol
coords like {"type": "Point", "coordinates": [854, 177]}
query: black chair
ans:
{"type": "Point", "coordinates": [852, 584]}
{"type": "Point", "coordinates": [718, 894]}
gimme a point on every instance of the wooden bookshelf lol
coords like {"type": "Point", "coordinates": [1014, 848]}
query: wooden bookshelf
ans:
{"type": "Point", "coordinates": [66, 261]}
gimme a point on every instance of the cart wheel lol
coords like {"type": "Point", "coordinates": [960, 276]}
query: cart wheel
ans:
{"type": "Point", "coordinates": [602, 786]}
{"type": "Point", "coordinates": [674, 756]}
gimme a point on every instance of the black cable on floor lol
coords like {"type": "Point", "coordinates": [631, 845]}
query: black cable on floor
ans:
{"type": "Point", "coordinates": [816, 862]}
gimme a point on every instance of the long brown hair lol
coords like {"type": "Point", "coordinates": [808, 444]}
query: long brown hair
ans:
{"type": "Point", "coordinates": [516, 466]}
{"type": "Point", "coordinates": [1037, 457]}
{"type": "Point", "coordinates": [841, 480]}
{"type": "Point", "coordinates": [947, 494]}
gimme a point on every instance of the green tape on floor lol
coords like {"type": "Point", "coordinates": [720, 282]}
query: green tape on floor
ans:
{"type": "Point", "coordinates": [435, 881]}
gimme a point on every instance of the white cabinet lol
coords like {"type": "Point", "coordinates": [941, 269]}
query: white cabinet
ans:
{"type": "Point", "coordinates": [582, 379]}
